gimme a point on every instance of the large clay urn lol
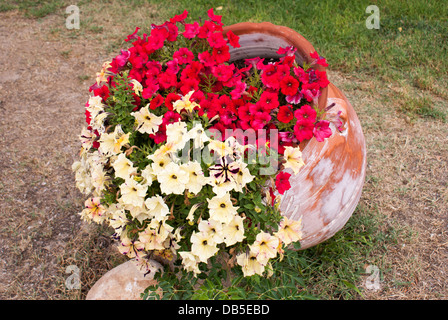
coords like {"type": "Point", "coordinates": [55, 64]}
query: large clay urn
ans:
{"type": "Point", "coordinates": [326, 191]}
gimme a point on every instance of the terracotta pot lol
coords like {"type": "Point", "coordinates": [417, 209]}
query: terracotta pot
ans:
{"type": "Point", "coordinates": [327, 189]}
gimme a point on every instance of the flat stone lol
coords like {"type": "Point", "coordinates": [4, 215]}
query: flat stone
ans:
{"type": "Point", "coordinates": [124, 282]}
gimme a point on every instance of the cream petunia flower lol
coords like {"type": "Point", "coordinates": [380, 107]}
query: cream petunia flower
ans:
{"type": "Point", "coordinates": [137, 212]}
{"type": "Point", "coordinates": [152, 239]}
{"type": "Point", "coordinates": [82, 176]}
{"type": "Point", "coordinates": [190, 216]}
{"type": "Point", "coordinates": [214, 228]}
{"type": "Point", "coordinates": [177, 135]}
{"type": "Point", "coordinates": [123, 167]}
{"type": "Point", "coordinates": [87, 137]}
{"type": "Point", "coordinates": [104, 73]}
{"type": "Point", "coordinates": [137, 86]}
{"type": "Point", "coordinates": [190, 262]}
{"type": "Point", "coordinates": [196, 177]}
{"type": "Point", "coordinates": [221, 149]}
{"type": "Point", "coordinates": [133, 193]}
{"type": "Point", "coordinates": [94, 210]}
{"type": "Point", "coordinates": [148, 176]}
{"type": "Point", "coordinates": [185, 103]}
{"type": "Point", "coordinates": [173, 179]}
{"type": "Point", "coordinates": [265, 247]}
{"type": "Point", "coordinates": [95, 106]}
{"type": "Point", "coordinates": [221, 208]}
{"type": "Point", "coordinates": [198, 135]}
{"type": "Point", "coordinates": [146, 121]}
{"type": "Point", "coordinates": [157, 207]}
{"type": "Point", "coordinates": [293, 158]}
{"type": "Point", "coordinates": [242, 177]}
{"type": "Point", "coordinates": [131, 248]}
{"type": "Point", "coordinates": [99, 179]}
{"type": "Point", "coordinates": [249, 263]}
{"type": "Point", "coordinates": [203, 245]}
{"type": "Point", "coordinates": [234, 231]}
{"type": "Point", "coordinates": [111, 143]}
{"type": "Point", "coordinates": [289, 230]}
{"type": "Point", "coordinates": [159, 163]}
{"type": "Point", "coordinates": [117, 218]}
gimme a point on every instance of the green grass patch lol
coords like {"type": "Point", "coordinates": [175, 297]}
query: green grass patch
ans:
{"type": "Point", "coordinates": [421, 106]}
{"type": "Point", "coordinates": [32, 8]}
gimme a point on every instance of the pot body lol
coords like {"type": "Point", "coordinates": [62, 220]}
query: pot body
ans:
{"type": "Point", "coordinates": [326, 191]}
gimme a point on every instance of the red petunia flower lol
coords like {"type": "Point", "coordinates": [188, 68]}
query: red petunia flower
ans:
{"type": "Point", "coordinates": [240, 87]}
{"type": "Point", "coordinates": [122, 58]}
{"type": "Point", "coordinates": [285, 114]}
{"type": "Point", "coordinates": [269, 100]}
{"type": "Point", "coordinates": [156, 39]}
{"type": "Point", "coordinates": [289, 85]}
{"type": "Point", "coordinates": [206, 29]}
{"type": "Point", "coordinates": [160, 135]}
{"type": "Point", "coordinates": [303, 130]}
{"type": "Point", "coordinates": [189, 85]}
{"type": "Point", "coordinates": [206, 59]}
{"type": "Point", "coordinates": [233, 39]}
{"type": "Point", "coordinates": [173, 31]}
{"type": "Point", "coordinates": [216, 40]}
{"type": "Point", "coordinates": [318, 59]}
{"type": "Point", "coordinates": [183, 56]}
{"type": "Point", "coordinates": [179, 17]}
{"type": "Point", "coordinates": [261, 119]}
{"type": "Point", "coordinates": [223, 72]}
{"type": "Point", "coordinates": [221, 54]}
{"type": "Point", "coordinates": [103, 92]}
{"type": "Point", "coordinates": [305, 113]}
{"type": "Point", "coordinates": [170, 98]}
{"type": "Point", "coordinates": [244, 112]}
{"type": "Point", "coordinates": [167, 80]}
{"type": "Point", "coordinates": [282, 182]}
{"type": "Point", "coordinates": [149, 91]}
{"type": "Point", "coordinates": [133, 35]}
{"type": "Point", "coordinates": [173, 66]}
{"type": "Point", "coordinates": [156, 102]}
{"type": "Point", "coordinates": [170, 117]}
{"type": "Point", "coordinates": [213, 17]}
{"type": "Point", "coordinates": [191, 30]}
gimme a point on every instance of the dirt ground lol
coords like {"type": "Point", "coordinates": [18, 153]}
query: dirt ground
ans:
{"type": "Point", "coordinates": [44, 80]}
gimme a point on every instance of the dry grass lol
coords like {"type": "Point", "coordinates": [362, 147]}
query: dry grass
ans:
{"type": "Point", "coordinates": [45, 72]}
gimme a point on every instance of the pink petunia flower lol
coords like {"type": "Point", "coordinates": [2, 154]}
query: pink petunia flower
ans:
{"type": "Point", "coordinates": [322, 130]}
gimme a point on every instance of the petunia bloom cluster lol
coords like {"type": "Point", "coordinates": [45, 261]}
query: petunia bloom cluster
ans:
{"type": "Point", "coordinates": [186, 154]}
